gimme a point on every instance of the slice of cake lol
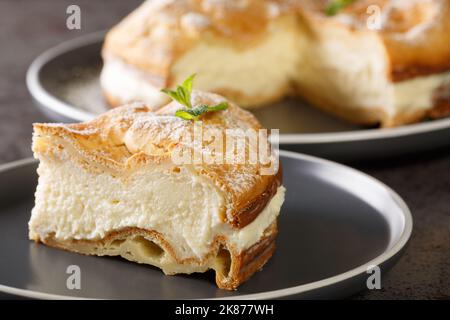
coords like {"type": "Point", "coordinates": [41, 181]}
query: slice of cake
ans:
{"type": "Point", "coordinates": [371, 62]}
{"type": "Point", "coordinates": [111, 187]}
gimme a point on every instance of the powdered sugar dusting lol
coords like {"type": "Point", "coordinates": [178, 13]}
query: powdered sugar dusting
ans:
{"type": "Point", "coordinates": [416, 18]}
{"type": "Point", "coordinates": [193, 21]}
{"type": "Point", "coordinates": [208, 5]}
{"type": "Point", "coordinates": [273, 9]}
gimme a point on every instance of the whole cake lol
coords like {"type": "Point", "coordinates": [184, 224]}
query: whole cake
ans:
{"type": "Point", "coordinates": [372, 62]}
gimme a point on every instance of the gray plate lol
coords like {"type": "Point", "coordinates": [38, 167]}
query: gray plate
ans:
{"type": "Point", "coordinates": [334, 224]}
{"type": "Point", "coordinates": [64, 82]}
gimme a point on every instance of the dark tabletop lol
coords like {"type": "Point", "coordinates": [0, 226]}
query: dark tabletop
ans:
{"type": "Point", "coordinates": [29, 27]}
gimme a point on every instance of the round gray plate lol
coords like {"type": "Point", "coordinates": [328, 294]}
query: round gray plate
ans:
{"type": "Point", "coordinates": [335, 223]}
{"type": "Point", "coordinates": [64, 82]}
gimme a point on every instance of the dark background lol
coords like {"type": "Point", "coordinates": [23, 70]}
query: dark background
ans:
{"type": "Point", "coordinates": [30, 27]}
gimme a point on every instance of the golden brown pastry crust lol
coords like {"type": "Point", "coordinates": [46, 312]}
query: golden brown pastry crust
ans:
{"type": "Point", "coordinates": [135, 41]}
{"type": "Point", "coordinates": [410, 56]}
{"type": "Point", "coordinates": [128, 137]}
{"type": "Point", "coordinates": [232, 267]}
{"type": "Point", "coordinates": [441, 102]}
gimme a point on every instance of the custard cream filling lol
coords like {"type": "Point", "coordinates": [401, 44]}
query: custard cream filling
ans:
{"type": "Point", "coordinates": [73, 203]}
{"type": "Point", "coordinates": [128, 85]}
{"type": "Point", "coordinates": [417, 93]}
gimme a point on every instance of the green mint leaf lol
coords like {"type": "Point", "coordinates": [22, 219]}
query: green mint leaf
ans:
{"type": "Point", "coordinates": [197, 112]}
{"type": "Point", "coordinates": [183, 97]}
{"type": "Point", "coordinates": [187, 84]}
{"type": "Point", "coordinates": [335, 6]}
{"type": "Point", "coordinates": [182, 94]}
{"type": "Point", "coordinates": [218, 107]}
{"type": "Point", "coordinates": [185, 115]}
{"type": "Point", "coordinates": [173, 95]}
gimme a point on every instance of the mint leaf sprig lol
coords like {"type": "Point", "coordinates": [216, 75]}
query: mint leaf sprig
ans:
{"type": "Point", "coordinates": [182, 95]}
{"type": "Point", "coordinates": [197, 112]}
{"type": "Point", "coordinates": [335, 6]}
{"type": "Point", "coordinates": [183, 92]}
